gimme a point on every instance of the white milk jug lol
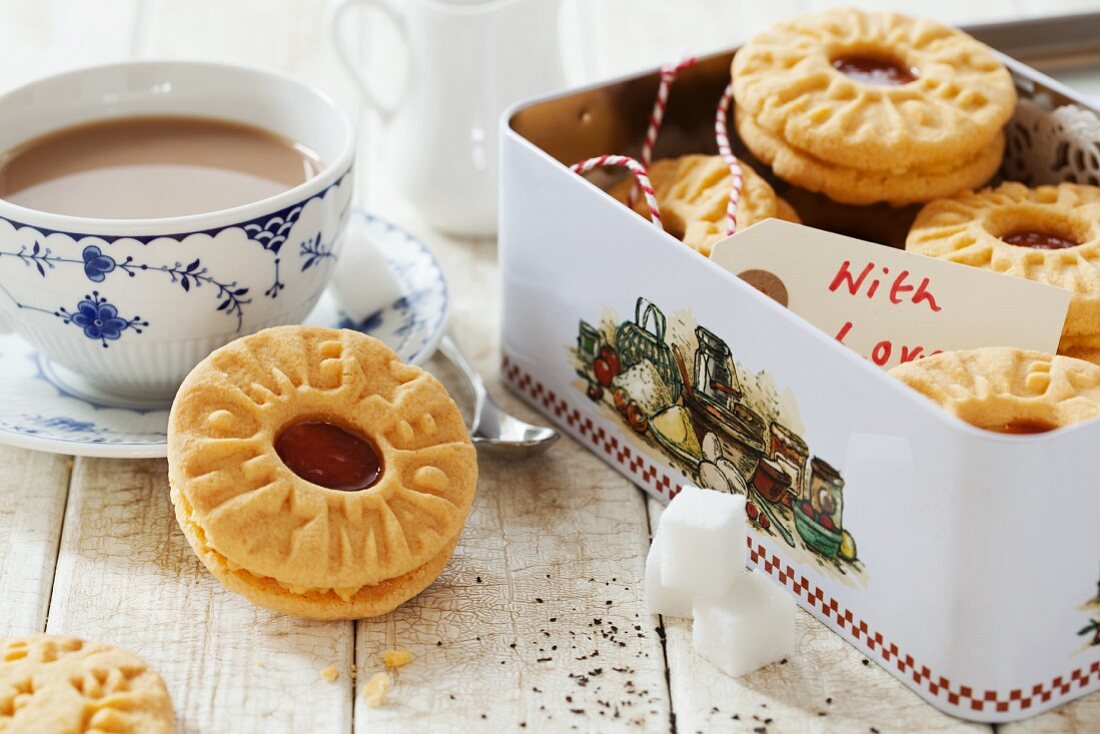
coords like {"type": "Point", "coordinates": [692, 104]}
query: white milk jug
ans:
{"type": "Point", "coordinates": [466, 63]}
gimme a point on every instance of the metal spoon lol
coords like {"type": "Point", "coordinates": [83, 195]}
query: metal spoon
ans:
{"type": "Point", "coordinates": [491, 428]}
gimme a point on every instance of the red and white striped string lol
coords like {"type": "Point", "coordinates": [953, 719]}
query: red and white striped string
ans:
{"type": "Point", "coordinates": [640, 177]}
{"type": "Point", "coordinates": [726, 152]}
{"type": "Point", "coordinates": [667, 76]}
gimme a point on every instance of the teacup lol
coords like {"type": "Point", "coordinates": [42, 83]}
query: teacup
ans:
{"type": "Point", "coordinates": [131, 305]}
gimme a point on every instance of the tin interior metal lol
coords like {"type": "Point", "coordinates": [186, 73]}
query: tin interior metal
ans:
{"type": "Point", "coordinates": [1046, 44]}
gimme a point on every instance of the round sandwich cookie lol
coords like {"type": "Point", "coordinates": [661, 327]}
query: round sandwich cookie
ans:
{"type": "Point", "coordinates": [874, 91]}
{"type": "Point", "coordinates": [868, 107]}
{"type": "Point", "coordinates": [316, 474]}
{"type": "Point", "coordinates": [63, 684]}
{"type": "Point", "coordinates": [1007, 390]}
{"type": "Point", "coordinates": [848, 185]}
{"type": "Point", "coordinates": [693, 194]}
{"type": "Point", "coordinates": [1049, 234]}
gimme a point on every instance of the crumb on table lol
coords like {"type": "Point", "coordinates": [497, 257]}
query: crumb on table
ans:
{"type": "Point", "coordinates": [330, 673]}
{"type": "Point", "coordinates": [396, 658]}
{"type": "Point", "coordinates": [375, 689]}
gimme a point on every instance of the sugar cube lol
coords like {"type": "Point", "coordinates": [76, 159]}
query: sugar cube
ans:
{"type": "Point", "coordinates": [746, 628]}
{"type": "Point", "coordinates": [364, 283]}
{"type": "Point", "coordinates": [659, 598]}
{"type": "Point", "coordinates": [704, 541]}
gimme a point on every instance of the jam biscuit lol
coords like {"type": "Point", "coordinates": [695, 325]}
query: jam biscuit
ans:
{"type": "Point", "coordinates": [849, 185]}
{"type": "Point", "coordinates": [317, 475]}
{"type": "Point", "coordinates": [874, 91]}
{"type": "Point", "coordinates": [693, 194]}
{"type": "Point", "coordinates": [1049, 234]}
{"type": "Point", "coordinates": [1007, 390]}
{"type": "Point", "coordinates": [62, 684]}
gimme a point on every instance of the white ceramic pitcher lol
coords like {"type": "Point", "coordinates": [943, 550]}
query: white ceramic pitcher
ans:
{"type": "Point", "coordinates": [467, 62]}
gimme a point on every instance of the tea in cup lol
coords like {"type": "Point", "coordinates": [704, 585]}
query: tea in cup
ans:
{"type": "Point", "coordinates": [152, 211]}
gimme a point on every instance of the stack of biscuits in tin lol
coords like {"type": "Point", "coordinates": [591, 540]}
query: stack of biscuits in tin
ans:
{"type": "Point", "coordinates": [873, 107]}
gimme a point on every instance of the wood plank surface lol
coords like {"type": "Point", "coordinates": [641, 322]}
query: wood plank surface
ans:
{"type": "Point", "coordinates": [537, 622]}
{"type": "Point", "coordinates": [126, 576]}
{"type": "Point", "coordinates": [32, 504]}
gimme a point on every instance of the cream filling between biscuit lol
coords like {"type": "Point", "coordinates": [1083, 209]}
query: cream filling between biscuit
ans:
{"type": "Point", "coordinates": [345, 593]}
{"type": "Point", "coordinates": [945, 167]}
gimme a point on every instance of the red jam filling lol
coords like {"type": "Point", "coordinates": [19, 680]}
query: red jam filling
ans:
{"type": "Point", "coordinates": [1023, 427]}
{"type": "Point", "coordinates": [1038, 240]}
{"type": "Point", "coordinates": [874, 70]}
{"type": "Point", "coordinates": [326, 454]}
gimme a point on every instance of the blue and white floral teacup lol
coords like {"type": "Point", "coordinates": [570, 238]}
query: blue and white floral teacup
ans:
{"type": "Point", "coordinates": [132, 305]}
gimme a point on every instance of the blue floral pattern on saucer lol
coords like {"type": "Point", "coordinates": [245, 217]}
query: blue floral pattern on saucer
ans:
{"type": "Point", "coordinates": [43, 407]}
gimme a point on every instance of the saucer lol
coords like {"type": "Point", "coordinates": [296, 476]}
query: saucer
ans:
{"type": "Point", "coordinates": [45, 407]}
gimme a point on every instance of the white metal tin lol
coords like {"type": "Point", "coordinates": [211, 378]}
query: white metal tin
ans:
{"type": "Point", "coordinates": [977, 553]}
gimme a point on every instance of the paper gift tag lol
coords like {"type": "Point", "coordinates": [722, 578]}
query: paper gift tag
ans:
{"type": "Point", "coordinates": [889, 305]}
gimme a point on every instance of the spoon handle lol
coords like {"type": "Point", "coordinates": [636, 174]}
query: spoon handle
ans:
{"type": "Point", "coordinates": [451, 351]}
{"type": "Point", "coordinates": [491, 428]}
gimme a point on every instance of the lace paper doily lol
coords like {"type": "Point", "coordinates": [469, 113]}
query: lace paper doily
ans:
{"type": "Point", "coordinates": [1050, 147]}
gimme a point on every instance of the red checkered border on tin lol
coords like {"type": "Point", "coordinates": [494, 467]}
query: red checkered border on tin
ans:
{"type": "Point", "coordinates": [644, 470]}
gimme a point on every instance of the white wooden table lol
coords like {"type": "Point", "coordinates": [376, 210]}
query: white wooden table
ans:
{"type": "Point", "coordinates": [538, 622]}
